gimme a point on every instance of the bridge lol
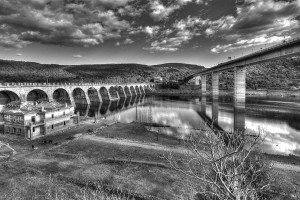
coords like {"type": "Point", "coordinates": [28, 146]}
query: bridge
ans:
{"type": "Point", "coordinates": [286, 49]}
{"type": "Point", "coordinates": [83, 93]}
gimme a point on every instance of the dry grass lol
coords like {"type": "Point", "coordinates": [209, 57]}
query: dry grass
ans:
{"type": "Point", "coordinates": [49, 188]}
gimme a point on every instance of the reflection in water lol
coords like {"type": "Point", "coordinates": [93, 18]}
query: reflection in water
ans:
{"type": "Point", "coordinates": [121, 103]}
{"type": "Point", "coordinates": [132, 100]}
{"type": "Point", "coordinates": [113, 106]}
{"type": "Point", "coordinates": [104, 107]}
{"type": "Point", "coordinates": [276, 118]}
{"type": "Point", "coordinates": [127, 101]}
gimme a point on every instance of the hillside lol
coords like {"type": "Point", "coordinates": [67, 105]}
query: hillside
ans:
{"type": "Point", "coordinates": [281, 74]}
{"type": "Point", "coordinates": [16, 71]}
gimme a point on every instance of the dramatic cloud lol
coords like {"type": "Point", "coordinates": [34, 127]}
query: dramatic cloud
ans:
{"type": "Point", "coordinates": [77, 56]}
{"type": "Point", "coordinates": [59, 22]}
{"type": "Point", "coordinates": [126, 41]}
{"type": "Point", "coordinates": [243, 43]}
{"type": "Point", "coordinates": [160, 12]}
{"type": "Point", "coordinates": [181, 32]}
{"type": "Point", "coordinates": [154, 25]}
{"type": "Point", "coordinates": [268, 21]}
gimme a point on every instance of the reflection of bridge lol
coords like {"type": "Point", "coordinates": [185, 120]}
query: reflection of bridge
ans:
{"type": "Point", "coordinates": [108, 108]}
{"type": "Point", "coordinates": [239, 114]}
{"type": "Point", "coordinates": [287, 49]}
{"type": "Point", "coordinates": [72, 93]}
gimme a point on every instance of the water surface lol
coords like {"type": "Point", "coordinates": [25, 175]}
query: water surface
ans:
{"type": "Point", "coordinates": [276, 118]}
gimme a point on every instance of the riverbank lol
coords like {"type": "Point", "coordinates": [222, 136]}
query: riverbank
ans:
{"type": "Point", "coordinates": [119, 158]}
{"type": "Point", "coordinates": [196, 91]}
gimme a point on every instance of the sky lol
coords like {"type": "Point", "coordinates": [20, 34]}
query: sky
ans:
{"type": "Point", "coordinates": [202, 32]}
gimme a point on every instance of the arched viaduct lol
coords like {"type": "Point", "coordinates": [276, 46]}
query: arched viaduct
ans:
{"type": "Point", "coordinates": [71, 93]}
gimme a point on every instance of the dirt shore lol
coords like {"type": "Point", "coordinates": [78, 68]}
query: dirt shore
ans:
{"type": "Point", "coordinates": [84, 154]}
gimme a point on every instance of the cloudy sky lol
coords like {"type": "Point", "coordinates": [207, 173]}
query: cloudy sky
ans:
{"type": "Point", "coordinates": [203, 32]}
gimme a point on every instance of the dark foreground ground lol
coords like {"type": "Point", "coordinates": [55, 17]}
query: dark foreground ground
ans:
{"type": "Point", "coordinates": [102, 161]}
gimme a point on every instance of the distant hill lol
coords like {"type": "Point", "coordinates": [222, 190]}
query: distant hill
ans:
{"type": "Point", "coordinates": [280, 74]}
{"type": "Point", "coordinates": [18, 71]}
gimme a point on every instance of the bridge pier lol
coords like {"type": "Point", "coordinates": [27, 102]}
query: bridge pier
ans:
{"type": "Point", "coordinates": [215, 85]}
{"type": "Point", "coordinates": [239, 98]}
{"type": "Point", "coordinates": [99, 96]}
{"type": "Point", "coordinates": [203, 104]}
{"type": "Point", "coordinates": [215, 111]}
{"type": "Point", "coordinates": [117, 92]}
{"type": "Point", "coordinates": [109, 95]}
{"type": "Point", "coordinates": [87, 98]}
{"type": "Point", "coordinates": [215, 97]}
{"type": "Point", "coordinates": [197, 80]}
{"type": "Point", "coordinates": [239, 85]}
{"type": "Point", "coordinates": [125, 95]}
{"type": "Point", "coordinates": [203, 85]}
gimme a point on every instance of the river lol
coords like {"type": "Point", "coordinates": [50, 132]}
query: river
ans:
{"type": "Point", "coordinates": [277, 119]}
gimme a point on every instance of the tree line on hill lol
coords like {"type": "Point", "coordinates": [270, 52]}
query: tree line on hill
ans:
{"type": "Point", "coordinates": [17, 71]}
{"type": "Point", "coordinates": [282, 74]}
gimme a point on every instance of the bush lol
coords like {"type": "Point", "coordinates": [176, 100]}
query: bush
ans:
{"type": "Point", "coordinates": [225, 166]}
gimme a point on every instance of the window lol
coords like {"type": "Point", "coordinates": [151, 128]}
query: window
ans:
{"type": "Point", "coordinates": [8, 129]}
{"type": "Point", "coordinates": [64, 113]}
{"type": "Point", "coordinates": [33, 129]}
{"type": "Point", "coordinates": [14, 130]}
{"type": "Point", "coordinates": [64, 123]}
{"type": "Point", "coordinates": [52, 126]}
{"type": "Point", "coordinates": [52, 115]}
{"type": "Point", "coordinates": [32, 118]}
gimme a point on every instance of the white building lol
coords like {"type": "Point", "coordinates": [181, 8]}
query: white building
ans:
{"type": "Point", "coordinates": [32, 121]}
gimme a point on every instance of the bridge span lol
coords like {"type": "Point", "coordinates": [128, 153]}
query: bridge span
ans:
{"type": "Point", "coordinates": [71, 93]}
{"type": "Point", "coordinates": [289, 48]}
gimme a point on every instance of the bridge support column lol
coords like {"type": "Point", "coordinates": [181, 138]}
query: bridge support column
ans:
{"type": "Point", "coordinates": [215, 97]}
{"type": "Point", "coordinates": [99, 96]}
{"type": "Point", "coordinates": [109, 95]}
{"type": "Point", "coordinates": [215, 85]}
{"type": "Point", "coordinates": [87, 110]}
{"type": "Point", "coordinates": [197, 80]}
{"type": "Point", "coordinates": [215, 111]}
{"type": "Point", "coordinates": [203, 104]}
{"type": "Point", "coordinates": [130, 94]}
{"type": "Point", "coordinates": [239, 119]}
{"type": "Point", "coordinates": [125, 95]}
{"type": "Point", "coordinates": [118, 95]}
{"type": "Point", "coordinates": [239, 98]}
{"type": "Point", "coordinates": [203, 85]}
{"type": "Point", "coordinates": [87, 98]}
{"type": "Point", "coordinates": [239, 85]}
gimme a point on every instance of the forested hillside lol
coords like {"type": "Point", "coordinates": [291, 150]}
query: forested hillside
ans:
{"type": "Point", "coordinates": [15, 71]}
{"type": "Point", "coordinates": [280, 74]}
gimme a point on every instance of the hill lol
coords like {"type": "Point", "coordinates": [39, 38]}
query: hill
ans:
{"type": "Point", "coordinates": [283, 74]}
{"type": "Point", "coordinates": [280, 74]}
{"type": "Point", "coordinates": [17, 71]}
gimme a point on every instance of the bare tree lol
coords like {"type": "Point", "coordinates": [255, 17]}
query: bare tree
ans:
{"type": "Point", "coordinates": [224, 166]}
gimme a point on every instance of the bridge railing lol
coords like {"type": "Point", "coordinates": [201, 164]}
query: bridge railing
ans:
{"type": "Point", "coordinates": [66, 84]}
{"type": "Point", "coordinates": [284, 43]}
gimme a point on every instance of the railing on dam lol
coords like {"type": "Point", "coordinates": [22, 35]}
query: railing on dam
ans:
{"type": "Point", "coordinates": [68, 84]}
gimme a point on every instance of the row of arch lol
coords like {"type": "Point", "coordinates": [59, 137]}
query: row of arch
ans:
{"type": "Point", "coordinates": [78, 95]}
